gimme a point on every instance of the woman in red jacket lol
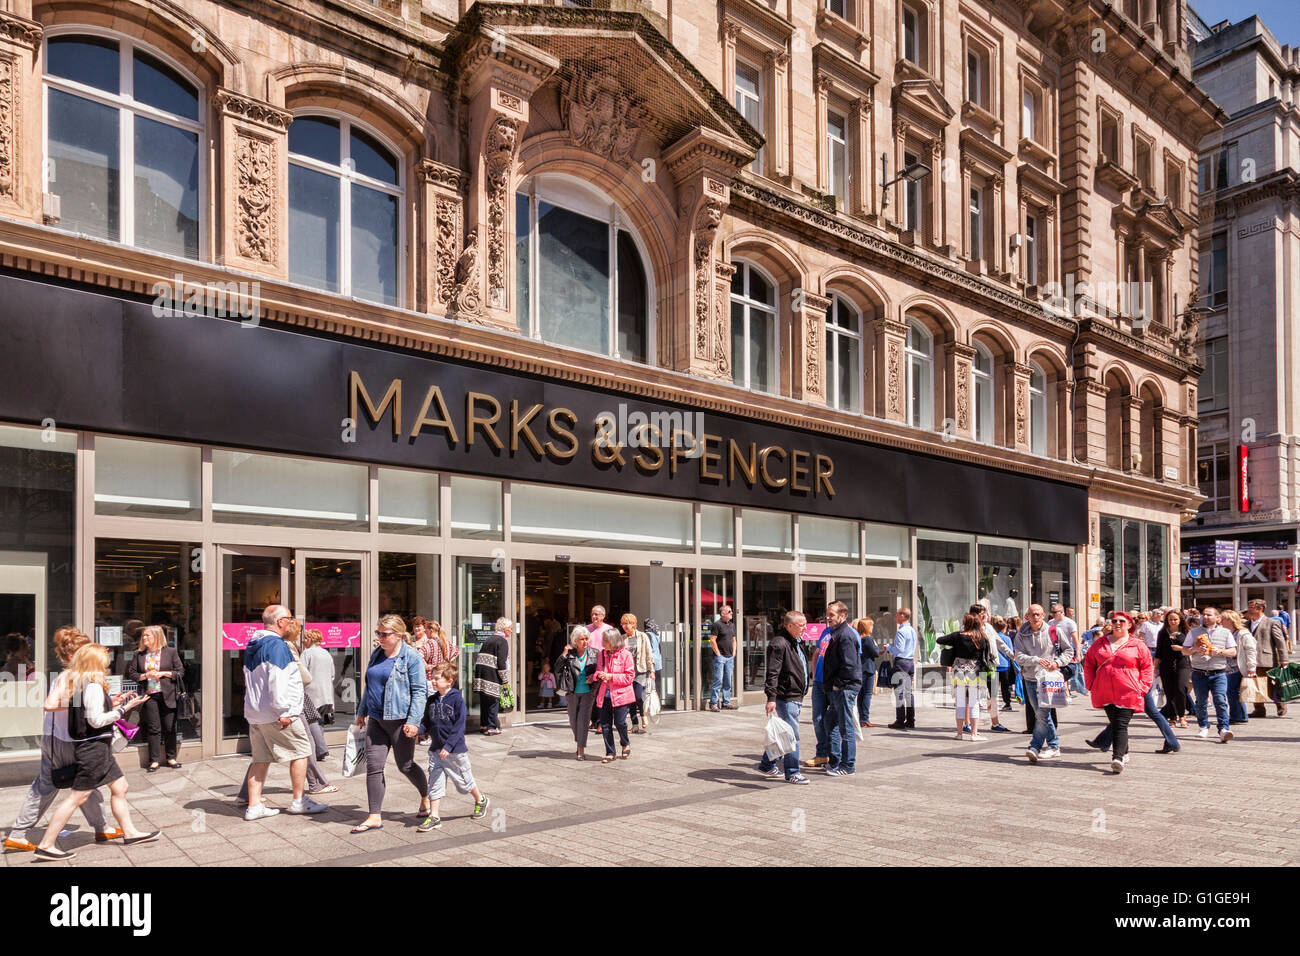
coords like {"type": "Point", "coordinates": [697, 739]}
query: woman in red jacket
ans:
{"type": "Point", "coordinates": [1118, 670]}
{"type": "Point", "coordinates": [615, 672]}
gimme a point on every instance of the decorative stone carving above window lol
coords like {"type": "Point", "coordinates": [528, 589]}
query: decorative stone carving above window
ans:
{"type": "Point", "coordinates": [601, 114]}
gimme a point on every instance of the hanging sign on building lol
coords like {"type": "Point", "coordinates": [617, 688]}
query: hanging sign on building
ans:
{"type": "Point", "coordinates": [1243, 477]}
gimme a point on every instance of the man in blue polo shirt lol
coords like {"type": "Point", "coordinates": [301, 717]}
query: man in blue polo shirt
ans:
{"type": "Point", "coordinates": [903, 650]}
{"type": "Point", "coordinates": [827, 734]}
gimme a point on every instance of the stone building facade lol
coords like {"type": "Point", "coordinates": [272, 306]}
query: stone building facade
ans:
{"type": "Point", "coordinates": [695, 204]}
{"type": "Point", "coordinates": [1250, 281]}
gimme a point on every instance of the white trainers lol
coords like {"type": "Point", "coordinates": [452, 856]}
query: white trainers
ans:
{"type": "Point", "coordinates": [306, 804]}
{"type": "Point", "coordinates": [1048, 752]}
{"type": "Point", "coordinates": [260, 811]}
{"type": "Point", "coordinates": [1225, 736]}
{"type": "Point", "coordinates": [978, 736]}
{"type": "Point", "coordinates": [1118, 764]}
{"type": "Point", "coordinates": [1203, 733]}
{"type": "Point", "coordinates": [1032, 754]}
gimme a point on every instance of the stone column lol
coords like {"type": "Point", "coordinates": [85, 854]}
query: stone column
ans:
{"type": "Point", "coordinates": [1121, 268]}
{"type": "Point", "coordinates": [967, 169]}
{"type": "Point", "coordinates": [1140, 256]}
{"type": "Point", "coordinates": [821, 96]}
{"type": "Point", "coordinates": [1130, 432]}
{"type": "Point", "coordinates": [957, 404]}
{"type": "Point", "coordinates": [1090, 422]}
{"type": "Point", "coordinates": [938, 235]}
{"type": "Point", "coordinates": [891, 378]}
{"type": "Point", "coordinates": [808, 369]}
{"type": "Point", "coordinates": [21, 120]}
{"type": "Point", "coordinates": [1017, 418]}
{"type": "Point", "coordinates": [1049, 272]}
{"type": "Point", "coordinates": [1170, 444]}
{"type": "Point", "coordinates": [997, 256]}
{"type": "Point", "coordinates": [861, 159]}
{"type": "Point", "coordinates": [897, 199]}
{"type": "Point", "coordinates": [778, 136]}
{"type": "Point", "coordinates": [253, 232]}
{"type": "Point", "coordinates": [441, 205]}
{"type": "Point", "coordinates": [1064, 433]}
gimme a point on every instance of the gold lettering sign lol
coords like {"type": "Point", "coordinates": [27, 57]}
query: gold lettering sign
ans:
{"type": "Point", "coordinates": [768, 452]}
{"type": "Point", "coordinates": [394, 394]}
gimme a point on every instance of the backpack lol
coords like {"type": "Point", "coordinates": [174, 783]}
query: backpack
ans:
{"type": "Point", "coordinates": [654, 650]}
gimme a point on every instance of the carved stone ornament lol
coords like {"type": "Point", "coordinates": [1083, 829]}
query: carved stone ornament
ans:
{"type": "Point", "coordinates": [601, 114]}
{"type": "Point", "coordinates": [256, 167]}
{"type": "Point", "coordinates": [707, 221]}
{"type": "Point", "coordinates": [255, 111]}
{"type": "Point", "coordinates": [812, 355]}
{"type": "Point", "coordinates": [721, 331]}
{"type": "Point", "coordinates": [466, 303]}
{"type": "Point", "coordinates": [448, 248]}
{"type": "Point", "coordinates": [894, 378]}
{"type": "Point", "coordinates": [1022, 412]}
{"type": "Point", "coordinates": [20, 30]}
{"type": "Point", "coordinates": [448, 177]}
{"type": "Point", "coordinates": [502, 142]}
{"type": "Point", "coordinates": [963, 398]}
{"type": "Point", "coordinates": [8, 123]}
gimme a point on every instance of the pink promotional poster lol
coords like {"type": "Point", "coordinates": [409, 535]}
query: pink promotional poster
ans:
{"type": "Point", "coordinates": [813, 632]}
{"type": "Point", "coordinates": [235, 637]}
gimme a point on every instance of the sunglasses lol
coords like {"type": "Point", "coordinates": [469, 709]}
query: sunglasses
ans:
{"type": "Point", "coordinates": [383, 633]}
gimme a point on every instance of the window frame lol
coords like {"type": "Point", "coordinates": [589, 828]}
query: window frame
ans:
{"type": "Point", "coordinates": [759, 100]}
{"type": "Point", "coordinates": [836, 333]}
{"type": "Point", "coordinates": [1030, 252]}
{"type": "Point", "coordinates": [919, 11]}
{"type": "Point", "coordinates": [1214, 361]}
{"type": "Point", "coordinates": [922, 415]}
{"type": "Point", "coordinates": [1216, 297]}
{"type": "Point", "coordinates": [984, 400]}
{"type": "Point", "coordinates": [1221, 500]}
{"type": "Point", "coordinates": [1103, 115]}
{"type": "Point", "coordinates": [127, 108]}
{"type": "Point", "coordinates": [975, 219]}
{"type": "Point", "coordinates": [744, 268]}
{"type": "Point", "coordinates": [913, 198]}
{"type": "Point", "coordinates": [1037, 409]}
{"type": "Point", "coordinates": [842, 197]}
{"type": "Point", "coordinates": [573, 195]}
{"type": "Point", "coordinates": [346, 121]}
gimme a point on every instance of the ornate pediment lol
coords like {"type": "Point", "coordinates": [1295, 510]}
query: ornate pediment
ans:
{"type": "Point", "coordinates": [922, 100]}
{"type": "Point", "coordinates": [602, 115]}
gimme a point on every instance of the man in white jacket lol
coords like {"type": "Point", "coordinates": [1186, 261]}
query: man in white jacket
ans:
{"type": "Point", "coordinates": [273, 694]}
{"type": "Point", "coordinates": [1037, 653]}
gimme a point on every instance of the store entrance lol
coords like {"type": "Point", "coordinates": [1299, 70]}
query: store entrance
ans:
{"type": "Point", "coordinates": [557, 595]}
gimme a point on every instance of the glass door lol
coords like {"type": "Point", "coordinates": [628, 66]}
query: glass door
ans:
{"type": "Point", "coordinates": [328, 598]}
{"type": "Point", "coordinates": [251, 579]}
{"type": "Point", "coordinates": [523, 659]}
{"type": "Point", "coordinates": [480, 600]}
{"type": "Point", "coordinates": [681, 661]}
{"type": "Point", "coordinates": [718, 590]}
{"type": "Point", "coordinates": [818, 593]}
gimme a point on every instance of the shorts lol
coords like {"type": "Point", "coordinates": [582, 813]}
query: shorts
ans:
{"type": "Point", "coordinates": [275, 744]}
{"type": "Point", "coordinates": [454, 767]}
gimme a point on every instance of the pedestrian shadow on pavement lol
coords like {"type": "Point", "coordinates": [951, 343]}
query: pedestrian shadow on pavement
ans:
{"type": "Point", "coordinates": [1020, 758]}
{"type": "Point", "coordinates": [553, 754]}
{"type": "Point", "coordinates": [742, 780]}
{"type": "Point", "coordinates": [217, 806]}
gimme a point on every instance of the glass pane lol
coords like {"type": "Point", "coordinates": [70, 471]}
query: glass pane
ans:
{"type": "Point", "coordinates": [84, 155]}
{"type": "Point", "coordinates": [409, 586]}
{"type": "Point", "coordinates": [599, 519]}
{"type": "Point", "coordinates": [717, 530]}
{"type": "Point", "coordinates": [1157, 566]}
{"type": "Point", "coordinates": [760, 290]}
{"type": "Point", "coordinates": [145, 583]}
{"type": "Point", "coordinates": [943, 587]}
{"type": "Point", "coordinates": [374, 245]}
{"type": "Point", "coordinates": [1051, 574]}
{"type": "Point", "coordinates": [828, 539]}
{"type": "Point", "coordinates": [408, 501]}
{"type": "Point", "coordinates": [333, 608]}
{"type": "Point", "coordinates": [166, 189]}
{"type": "Point", "coordinates": [573, 278]}
{"type": "Point", "coordinates": [767, 597]}
{"type": "Point", "coordinates": [814, 602]}
{"type": "Point", "coordinates": [717, 590]}
{"type": "Point", "coordinates": [89, 60]}
{"type": "Point", "coordinates": [888, 545]}
{"type": "Point", "coordinates": [633, 301]}
{"type": "Point", "coordinates": [765, 533]}
{"type": "Point", "coordinates": [371, 158]}
{"type": "Point", "coordinates": [760, 348]}
{"type": "Point", "coordinates": [1132, 566]}
{"type": "Point", "coordinates": [158, 85]}
{"type": "Point", "coordinates": [267, 489]}
{"type": "Point", "coordinates": [313, 228]}
{"type": "Point", "coordinates": [250, 583]}
{"type": "Point", "coordinates": [523, 249]}
{"type": "Point", "coordinates": [1110, 569]}
{"type": "Point", "coordinates": [838, 161]}
{"type": "Point", "coordinates": [480, 600]}
{"type": "Point", "coordinates": [1002, 579]}
{"type": "Point", "coordinates": [147, 478]}
{"type": "Point", "coordinates": [739, 369]}
{"type": "Point", "coordinates": [315, 136]}
{"type": "Point", "coordinates": [475, 508]}
{"type": "Point", "coordinates": [38, 559]}
{"type": "Point", "coordinates": [846, 381]}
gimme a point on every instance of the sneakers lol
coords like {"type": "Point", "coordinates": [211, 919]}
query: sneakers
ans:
{"type": "Point", "coordinates": [480, 808]}
{"type": "Point", "coordinates": [961, 734]}
{"type": "Point", "coordinates": [1032, 754]}
{"type": "Point", "coordinates": [1006, 708]}
{"type": "Point", "coordinates": [816, 762]}
{"type": "Point", "coordinates": [429, 823]}
{"type": "Point", "coordinates": [965, 728]}
{"type": "Point", "coordinates": [259, 812]}
{"type": "Point", "coordinates": [797, 778]}
{"type": "Point", "coordinates": [1001, 729]}
{"type": "Point", "coordinates": [978, 736]}
{"type": "Point", "coordinates": [839, 772]}
{"type": "Point", "coordinates": [1048, 752]}
{"type": "Point", "coordinates": [1225, 736]}
{"type": "Point", "coordinates": [773, 771]}
{"type": "Point", "coordinates": [1203, 733]}
{"type": "Point", "coordinates": [303, 805]}
{"type": "Point", "coordinates": [1118, 764]}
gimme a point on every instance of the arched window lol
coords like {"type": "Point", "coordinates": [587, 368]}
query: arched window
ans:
{"type": "Point", "coordinates": [581, 274]}
{"type": "Point", "coordinates": [920, 376]}
{"type": "Point", "coordinates": [844, 355]}
{"type": "Point", "coordinates": [753, 329]}
{"type": "Point", "coordinates": [123, 131]}
{"type": "Point", "coordinates": [345, 210]}
{"type": "Point", "coordinates": [1037, 409]}
{"type": "Point", "coordinates": [982, 372]}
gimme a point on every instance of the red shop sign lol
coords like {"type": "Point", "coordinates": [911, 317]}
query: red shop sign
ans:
{"type": "Point", "coordinates": [1243, 477]}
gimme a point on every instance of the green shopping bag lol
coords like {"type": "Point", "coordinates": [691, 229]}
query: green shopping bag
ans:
{"type": "Point", "coordinates": [507, 698]}
{"type": "Point", "coordinates": [1287, 678]}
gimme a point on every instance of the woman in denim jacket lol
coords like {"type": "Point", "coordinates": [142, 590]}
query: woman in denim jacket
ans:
{"type": "Point", "coordinates": [391, 708]}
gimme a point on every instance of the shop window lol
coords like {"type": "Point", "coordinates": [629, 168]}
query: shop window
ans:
{"type": "Point", "coordinates": [837, 157]}
{"type": "Point", "coordinates": [250, 488]}
{"type": "Point", "coordinates": [139, 584]}
{"type": "Point", "coordinates": [717, 529]}
{"type": "Point", "coordinates": [1002, 579]}
{"type": "Point", "coordinates": [1212, 388]}
{"type": "Point", "coordinates": [1051, 576]}
{"type": "Point", "coordinates": [749, 102]}
{"type": "Point", "coordinates": [598, 519]}
{"type": "Point", "coordinates": [943, 585]}
{"type": "Point", "coordinates": [765, 533]}
{"type": "Point", "coordinates": [38, 514]}
{"type": "Point", "coordinates": [475, 508]}
{"type": "Point", "coordinates": [753, 329]}
{"type": "Point", "coordinates": [1108, 547]}
{"type": "Point", "coordinates": [1214, 271]}
{"type": "Point", "coordinates": [982, 373]}
{"type": "Point", "coordinates": [920, 376]}
{"type": "Point", "coordinates": [1037, 409]}
{"type": "Point", "coordinates": [1157, 562]}
{"type": "Point", "coordinates": [767, 598]}
{"type": "Point", "coordinates": [844, 355]}
{"type": "Point", "coordinates": [139, 478]}
{"type": "Point", "coordinates": [888, 546]}
{"type": "Point", "coordinates": [1214, 477]}
{"type": "Point", "coordinates": [345, 210]}
{"type": "Point", "coordinates": [409, 586]}
{"type": "Point", "coordinates": [1134, 564]}
{"type": "Point", "coordinates": [582, 276]}
{"type": "Point", "coordinates": [828, 539]}
{"type": "Point", "coordinates": [123, 144]}
{"type": "Point", "coordinates": [408, 501]}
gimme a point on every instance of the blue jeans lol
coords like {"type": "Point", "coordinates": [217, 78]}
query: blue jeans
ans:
{"type": "Point", "coordinates": [1103, 738]}
{"type": "Point", "coordinates": [1236, 709]}
{"type": "Point", "coordinates": [1044, 725]}
{"type": "Point", "coordinates": [724, 668]}
{"type": "Point", "coordinates": [864, 697]}
{"type": "Point", "coordinates": [840, 715]}
{"type": "Point", "coordinates": [1211, 684]}
{"type": "Point", "coordinates": [787, 710]}
{"type": "Point", "coordinates": [827, 734]}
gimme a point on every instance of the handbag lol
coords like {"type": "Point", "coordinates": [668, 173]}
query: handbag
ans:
{"type": "Point", "coordinates": [1287, 679]}
{"type": "Point", "coordinates": [63, 777]}
{"type": "Point", "coordinates": [948, 656]}
{"type": "Point", "coordinates": [565, 680]}
{"type": "Point", "coordinates": [1254, 690]}
{"type": "Point", "coordinates": [507, 698]}
{"type": "Point", "coordinates": [123, 733]}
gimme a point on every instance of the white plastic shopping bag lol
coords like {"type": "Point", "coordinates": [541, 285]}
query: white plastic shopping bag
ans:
{"type": "Point", "coordinates": [780, 738]}
{"type": "Point", "coordinates": [354, 752]}
{"type": "Point", "coordinates": [653, 705]}
{"type": "Point", "coordinates": [1053, 689]}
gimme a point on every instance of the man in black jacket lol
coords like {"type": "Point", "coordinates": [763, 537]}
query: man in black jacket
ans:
{"type": "Point", "coordinates": [787, 682]}
{"type": "Point", "coordinates": [842, 679]}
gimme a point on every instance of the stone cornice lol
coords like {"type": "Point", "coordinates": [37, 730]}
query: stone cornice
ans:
{"type": "Point", "coordinates": [1283, 184]}
{"type": "Point", "coordinates": [20, 30]}
{"type": "Point", "coordinates": [440, 174]}
{"type": "Point", "coordinates": [960, 349]}
{"type": "Point", "coordinates": [1095, 330]}
{"type": "Point", "coordinates": [252, 110]}
{"type": "Point", "coordinates": [818, 303]}
{"type": "Point", "coordinates": [891, 327]}
{"type": "Point", "coordinates": [891, 254]}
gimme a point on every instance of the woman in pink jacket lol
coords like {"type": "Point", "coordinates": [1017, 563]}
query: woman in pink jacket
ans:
{"type": "Point", "coordinates": [1118, 671]}
{"type": "Point", "coordinates": [615, 673]}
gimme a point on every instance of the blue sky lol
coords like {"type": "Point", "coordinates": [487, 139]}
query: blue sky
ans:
{"type": "Point", "coordinates": [1280, 16]}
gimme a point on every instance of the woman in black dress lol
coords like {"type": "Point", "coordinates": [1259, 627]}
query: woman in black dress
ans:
{"type": "Point", "coordinates": [1175, 668]}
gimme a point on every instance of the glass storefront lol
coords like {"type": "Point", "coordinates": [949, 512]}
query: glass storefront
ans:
{"type": "Point", "coordinates": [943, 586]}
{"type": "Point", "coordinates": [1134, 558]}
{"type": "Point", "coordinates": [767, 597]}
